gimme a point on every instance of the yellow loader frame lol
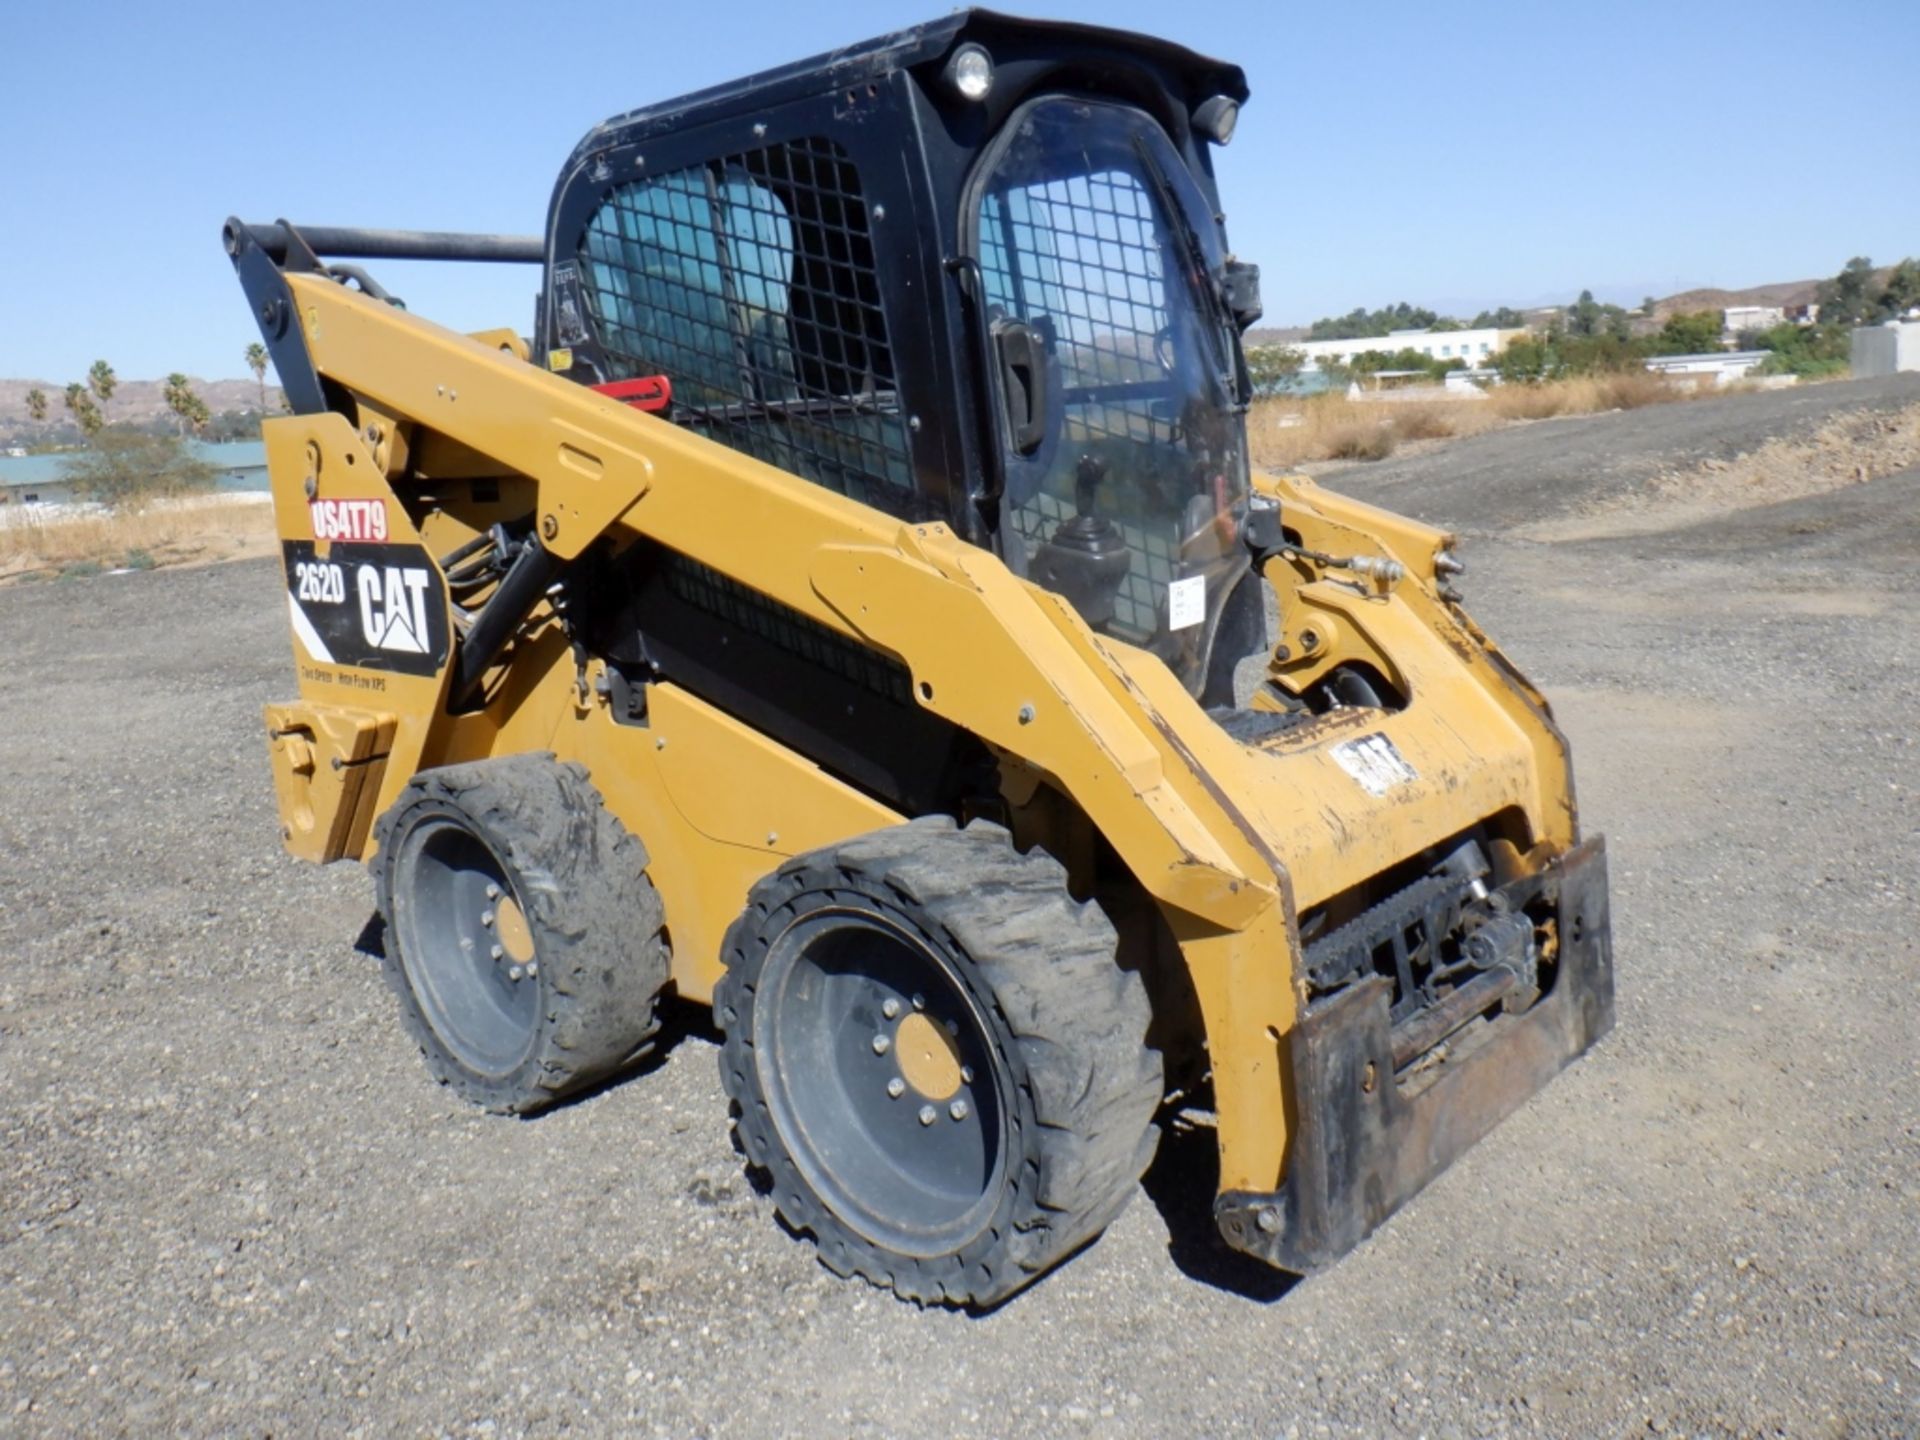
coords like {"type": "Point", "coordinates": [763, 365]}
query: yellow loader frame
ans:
{"type": "Point", "coordinates": [1230, 841]}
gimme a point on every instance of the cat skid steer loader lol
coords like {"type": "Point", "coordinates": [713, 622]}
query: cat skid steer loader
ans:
{"type": "Point", "coordinates": [832, 613]}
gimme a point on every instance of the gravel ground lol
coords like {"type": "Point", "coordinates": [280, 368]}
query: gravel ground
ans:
{"type": "Point", "coordinates": [235, 1203]}
{"type": "Point", "coordinates": [1528, 474]}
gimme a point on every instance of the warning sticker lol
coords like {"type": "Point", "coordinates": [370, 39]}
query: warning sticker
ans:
{"type": "Point", "coordinates": [1374, 762]}
{"type": "Point", "coordinates": [1186, 602]}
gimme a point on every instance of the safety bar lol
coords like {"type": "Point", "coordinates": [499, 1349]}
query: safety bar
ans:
{"type": "Point", "coordinates": [346, 242]}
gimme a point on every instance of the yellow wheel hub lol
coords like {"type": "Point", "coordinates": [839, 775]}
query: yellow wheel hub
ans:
{"type": "Point", "coordinates": [928, 1058]}
{"type": "Point", "coordinates": [510, 924]}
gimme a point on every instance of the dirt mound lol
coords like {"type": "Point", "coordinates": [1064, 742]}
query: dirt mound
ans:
{"type": "Point", "coordinates": [1848, 449]}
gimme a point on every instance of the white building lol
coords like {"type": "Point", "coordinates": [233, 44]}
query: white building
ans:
{"type": "Point", "coordinates": [1886, 349]}
{"type": "Point", "coordinates": [1474, 347]}
{"type": "Point", "coordinates": [1736, 318]}
{"type": "Point", "coordinates": [1724, 366]}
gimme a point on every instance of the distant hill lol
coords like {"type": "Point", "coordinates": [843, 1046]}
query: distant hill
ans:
{"type": "Point", "coordinates": [1785, 292]}
{"type": "Point", "coordinates": [133, 400]}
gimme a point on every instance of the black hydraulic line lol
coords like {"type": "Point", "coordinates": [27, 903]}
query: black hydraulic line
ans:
{"type": "Point", "coordinates": [352, 243]}
{"type": "Point", "coordinates": [493, 627]}
{"type": "Point", "coordinates": [472, 547]}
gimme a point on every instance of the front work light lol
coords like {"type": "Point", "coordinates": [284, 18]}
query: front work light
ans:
{"type": "Point", "coordinates": [970, 72]}
{"type": "Point", "coordinates": [1216, 118]}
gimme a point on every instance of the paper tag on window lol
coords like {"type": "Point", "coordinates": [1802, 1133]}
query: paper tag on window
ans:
{"type": "Point", "coordinates": [1186, 602]}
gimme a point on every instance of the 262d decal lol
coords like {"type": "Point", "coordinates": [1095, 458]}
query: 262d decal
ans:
{"type": "Point", "coordinates": [378, 607]}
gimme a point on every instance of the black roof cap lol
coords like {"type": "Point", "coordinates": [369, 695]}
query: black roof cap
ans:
{"type": "Point", "coordinates": [903, 49]}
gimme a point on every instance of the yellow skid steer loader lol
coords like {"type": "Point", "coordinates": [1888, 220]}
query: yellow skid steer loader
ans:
{"type": "Point", "coordinates": [832, 613]}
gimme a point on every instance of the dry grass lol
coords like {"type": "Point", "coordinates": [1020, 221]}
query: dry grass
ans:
{"type": "Point", "coordinates": [1286, 432]}
{"type": "Point", "coordinates": [1361, 439]}
{"type": "Point", "coordinates": [71, 541]}
{"type": "Point", "coordinates": [1425, 421]}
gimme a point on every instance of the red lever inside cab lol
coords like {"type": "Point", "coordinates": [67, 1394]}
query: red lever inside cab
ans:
{"type": "Point", "coordinates": [644, 392]}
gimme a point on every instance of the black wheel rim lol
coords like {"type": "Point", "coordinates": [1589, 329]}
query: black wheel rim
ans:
{"type": "Point", "coordinates": [483, 1002]}
{"type": "Point", "coordinates": [848, 1023]}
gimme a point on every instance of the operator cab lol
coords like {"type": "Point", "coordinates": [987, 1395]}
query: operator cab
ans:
{"type": "Point", "coordinates": [972, 272]}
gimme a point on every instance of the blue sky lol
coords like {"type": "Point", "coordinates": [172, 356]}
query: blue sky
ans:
{"type": "Point", "coordinates": [1451, 154]}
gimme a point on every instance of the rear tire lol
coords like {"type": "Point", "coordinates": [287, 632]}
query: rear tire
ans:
{"type": "Point", "coordinates": [524, 939]}
{"type": "Point", "coordinates": [936, 1059]}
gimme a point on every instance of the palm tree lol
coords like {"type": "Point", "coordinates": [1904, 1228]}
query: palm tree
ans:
{"type": "Point", "coordinates": [257, 362]}
{"type": "Point", "coordinates": [80, 403]}
{"type": "Point", "coordinates": [102, 382]}
{"type": "Point", "coordinates": [37, 405]}
{"type": "Point", "coordinates": [181, 400]}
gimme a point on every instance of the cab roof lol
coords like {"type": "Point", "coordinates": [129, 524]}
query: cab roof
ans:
{"type": "Point", "coordinates": [1003, 35]}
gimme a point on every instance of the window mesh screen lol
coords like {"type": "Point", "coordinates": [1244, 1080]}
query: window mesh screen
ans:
{"type": "Point", "coordinates": [1083, 255]}
{"type": "Point", "coordinates": [749, 282]}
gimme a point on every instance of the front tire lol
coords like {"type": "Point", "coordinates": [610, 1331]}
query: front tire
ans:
{"type": "Point", "coordinates": [936, 1059]}
{"type": "Point", "coordinates": [524, 939]}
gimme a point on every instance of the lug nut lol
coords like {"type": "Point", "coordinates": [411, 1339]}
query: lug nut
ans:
{"type": "Point", "coordinates": [958, 1110]}
{"type": "Point", "coordinates": [896, 1087]}
{"type": "Point", "coordinates": [486, 918]}
{"type": "Point", "coordinates": [881, 1044]}
{"type": "Point", "coordinates": [919, 1002]}
{"type": "Point", "coordinates": [513, 972]}
{"type": "Point", "coordinates": [889, 1007]}
{"type": "Point", "coordinates": [497, 952]}
{"type": "Point", "coordinates": [927, 1116]}
{"type": "Point", "coordinates": [966, 1075]}
{"type": "Point", "coordinates": [533, 968]}
{"type": "Point", "coordinates": [493, 892]}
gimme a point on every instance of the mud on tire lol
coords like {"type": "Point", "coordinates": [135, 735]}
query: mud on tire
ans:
{"type": "Point", "coordinates": [523, 937]}
{"type": "Point", "coordinates": [845, 970]}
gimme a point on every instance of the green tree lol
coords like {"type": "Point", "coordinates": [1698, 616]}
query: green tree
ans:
{"type": "Point", "coordinates": [125, 468]}
{"type": "Point", "coordinates": [1695, 333]}
{"type": "Point", "coordinates": [188, 408]}
{"type": "Point", "coordinates": [1273, 367]}
{"type": "Point", "coordinates": [1361, 324]}
{"type": "Point", "coordinates": [1809, 351]}
{"type": "Point", "coordinates": [1647, 306]}
{"type": "Point", "coordinates": [1901, 292]}
{"type": "Point", "coordinates": [1505, 318]}
{"type": "Point", "coordinates": [1526, 359]}
{"type": "Point", "coordinates": [1588, 316]}
{"type": "Point", "coordinates": [37, 405]}
{"type": "Point", "coordinates": [102, 382]}
{"type": "Point", "coordinates": [1583, 316]}
{"type": "Point", "coordinates": [80, 405]}
{"type": "Point", "coordinates": [257, 363]}
{"type": "Point", "coordinates": [1847, 299]}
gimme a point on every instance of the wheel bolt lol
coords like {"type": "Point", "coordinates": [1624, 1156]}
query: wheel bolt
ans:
{"type": "Point", "coordinates": [533, 968]}
{"type": "Point", "coordinates": [493, 892]}
{"type": "Point", "coordinates": [498, 953]}
{"type": "Point", "coordinates": [513, 972]}
{"type": "Point", "coordinates": [958, 1110]}
{"type": "Point", "coordinates": [927, 1117]}
{"type": "Point", "coordinates": [919, 1002]}
{"type": "Point", "coordinates": [966, 1075]}
{"type": "Point", "coordinates": [889, 1007]}
{"type": "Point", "coordinates": [486, 918]}
{"type": "Point", "coordinates": [881, 1044]}
{"type": "Point", "coordinates": [896, 1087]}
